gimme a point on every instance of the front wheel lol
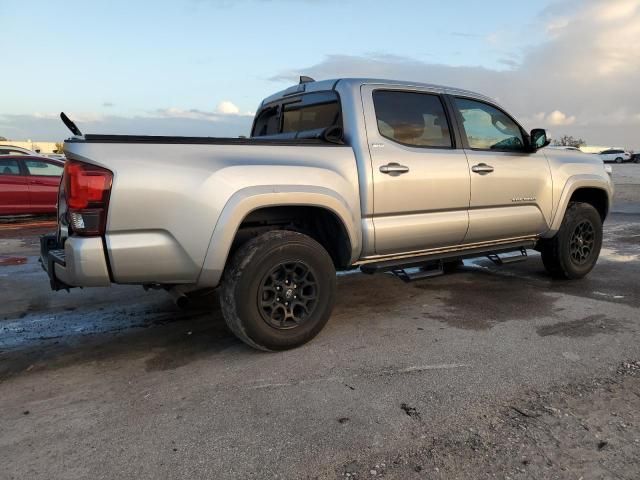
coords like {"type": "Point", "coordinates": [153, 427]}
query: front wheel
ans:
{"type": "Point", "coordinates": [619, 160]}
{"type": "Point", "coordinates": [278, 290]}
{"type": "Point", "coordinates": [574, 250]}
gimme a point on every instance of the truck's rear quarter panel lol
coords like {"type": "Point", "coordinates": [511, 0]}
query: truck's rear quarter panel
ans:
{"type": "Point", "coordinates": [166, 199]}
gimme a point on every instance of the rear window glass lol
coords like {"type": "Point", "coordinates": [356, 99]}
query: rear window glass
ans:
{"type": "Point", "coordinates": [9, 167]}
{"type": "Point", "coordinates": [312, 111]}
{"type": "Point", "coordinates": [310, 117]}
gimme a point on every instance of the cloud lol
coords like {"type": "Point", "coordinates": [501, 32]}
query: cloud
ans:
{"type": "Point", "coordinates": [225, 120]}
{"type": "Point", "coordinates": [169, 121]}
{"type": "Point", "coordinates": [585, 76]}
{"type": "Point", "coordinates": [108, 104]}
{"type": "Point", "coordinates": [557, 118]}
{"type": "Point", "coordinates": [227, 108]}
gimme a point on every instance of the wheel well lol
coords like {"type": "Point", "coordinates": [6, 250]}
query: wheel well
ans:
{"type": "Point", "coordinates": [595, 197]}
{"type": "Point", "coordinates": [321, 224]}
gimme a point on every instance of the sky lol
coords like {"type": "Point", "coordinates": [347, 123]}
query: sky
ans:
{"type": "Point", "coordinates": [201, 67]}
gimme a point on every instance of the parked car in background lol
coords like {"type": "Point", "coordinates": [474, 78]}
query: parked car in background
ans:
{"type": "Point", "coordinates": [565, 147]}
{"type": "Point", "coordinates": [615, 155]}
{"type": "Point", "coordinates": [55, 156]}
{"type": "Point", "coordinates": [29, 184]}
{"type": "Point", "coordinates": [635, 157]}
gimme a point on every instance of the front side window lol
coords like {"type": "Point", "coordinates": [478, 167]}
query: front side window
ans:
{"type": "Point", "coordinates": [412, 118]}
{"type": "Point", "coordinates": [45, 169]}
{"type": "Point", "coordinates": [488, 128]}
{"type": "Point", "coordinates": [9, 167]}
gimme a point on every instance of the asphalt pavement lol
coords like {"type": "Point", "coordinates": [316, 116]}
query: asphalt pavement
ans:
{"type": "Point", "coordinates": [120, 383]}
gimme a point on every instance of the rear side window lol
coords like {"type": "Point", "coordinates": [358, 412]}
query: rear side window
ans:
{"type": "Point", "coordinates": [9, 167]}
{"type": "Point", "coordinates": [44, 169]}
{"type": "Point", "coordinates": [488, 128]}
{"type": "Point", "coordinates": [411, 118]}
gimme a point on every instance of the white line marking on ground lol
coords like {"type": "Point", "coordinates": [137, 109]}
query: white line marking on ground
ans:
{"type": "Point", "coordinates": [386, 372]}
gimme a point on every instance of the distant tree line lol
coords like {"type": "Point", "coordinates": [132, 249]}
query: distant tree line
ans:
{"type": "Point", "coordinates": [568, 141]}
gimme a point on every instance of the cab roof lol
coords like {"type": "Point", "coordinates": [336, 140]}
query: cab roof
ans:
{"type": "Point", "coordinates": [354, 85]}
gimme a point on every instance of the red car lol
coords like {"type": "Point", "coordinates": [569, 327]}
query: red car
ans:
{"type": "Point", "coordinates": [29, 184]}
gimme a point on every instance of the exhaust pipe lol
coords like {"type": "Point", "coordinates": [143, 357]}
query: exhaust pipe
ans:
{"type": "Point", "coordinates": [179, 298]}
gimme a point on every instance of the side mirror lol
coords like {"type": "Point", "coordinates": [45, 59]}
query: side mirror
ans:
{"type": "Point", "coordinates": [539, 139]}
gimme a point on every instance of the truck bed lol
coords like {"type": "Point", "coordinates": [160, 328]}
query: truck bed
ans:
{"type": "Point", "coordinates": [168, 140]}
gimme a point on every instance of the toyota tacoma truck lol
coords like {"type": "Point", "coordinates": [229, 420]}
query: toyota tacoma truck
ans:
{"type": "Point", "coordinates": [381, 175]}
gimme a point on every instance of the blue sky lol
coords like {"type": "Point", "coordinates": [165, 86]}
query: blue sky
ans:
{"type": "Point", "coordinates": [214, 60]}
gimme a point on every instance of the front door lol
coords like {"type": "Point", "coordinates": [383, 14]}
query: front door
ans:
{"type": "Point", "coordinates": [510, 188]}
{"type": "Point", "coordinates": [420, 179]}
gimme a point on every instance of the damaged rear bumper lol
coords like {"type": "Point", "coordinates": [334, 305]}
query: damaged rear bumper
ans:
{"type": "Point", "coordinates": [81, 262]}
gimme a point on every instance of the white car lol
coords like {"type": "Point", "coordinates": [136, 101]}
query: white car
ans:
{"type": "Point", "coordinates": [615, 155]}
{"type": "Point", "coordinates": [565, 147]}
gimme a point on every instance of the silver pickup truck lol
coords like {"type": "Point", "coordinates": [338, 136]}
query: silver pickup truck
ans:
{"type": "Point", "coordinates": [382, 175]}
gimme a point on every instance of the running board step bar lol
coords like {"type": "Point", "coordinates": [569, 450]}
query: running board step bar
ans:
{"type": "Point", "coordinates": [421, 260]}
{"type": "Point", "coordinates": [498, 260]}
{"type": "Point", "coordinates": [421, 274]}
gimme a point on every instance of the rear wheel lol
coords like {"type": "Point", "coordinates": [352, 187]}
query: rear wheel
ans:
{"type": "Point", "coordinates": [574, 250]}
{"type": "Point", "coordinates": [278, 290]}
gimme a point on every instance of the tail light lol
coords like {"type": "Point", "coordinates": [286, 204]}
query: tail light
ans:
{"type": "Point", "coordinates": [87, 188]}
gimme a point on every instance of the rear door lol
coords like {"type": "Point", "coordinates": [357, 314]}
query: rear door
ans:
{"type": "Point", "coordinates": [511, 188]}
{"type": "Point", "coordinates": [44, 181]}
{"type": "Point", "coordinates": [14, 193]}
{"type": "Point", "coordinates": [420, 178]}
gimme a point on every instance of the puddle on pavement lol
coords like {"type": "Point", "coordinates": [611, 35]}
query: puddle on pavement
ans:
{"type": "Point", "coordinates": [583, 327]}
{"type": "Point", "coordinates": [178, 337]}
{"type": "Point", "coordinates": [492, 299]}
{"type": "Point", "coordinates": [6, 260]}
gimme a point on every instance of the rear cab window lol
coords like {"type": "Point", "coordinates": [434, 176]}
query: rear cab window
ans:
{"type": "Point", "coordinates": [300, 113]}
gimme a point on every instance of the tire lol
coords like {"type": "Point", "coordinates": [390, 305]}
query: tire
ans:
{"type": "Point", "coordinates": [574, 250]}
{"type": "Point", "coordinates": [272, 268]}
{"type": "Point", "coordinates": [619, 160]}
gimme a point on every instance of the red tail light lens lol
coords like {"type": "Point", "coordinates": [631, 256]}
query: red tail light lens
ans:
{"type": "Point", "coordinates": [87, 188]}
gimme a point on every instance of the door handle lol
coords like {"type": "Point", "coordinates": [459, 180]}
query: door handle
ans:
{"type": "Point", "coordinates": [482, 168]}
{"type": "Point", "coordinates": [394, 169]}
{"type": "Point", "coordinates": [37, 182]}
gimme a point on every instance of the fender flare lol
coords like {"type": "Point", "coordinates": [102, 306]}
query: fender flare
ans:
{"type": "Point", "coordinates": [249, 199]}
{"type": "Point", "coordinates": [575, 183]}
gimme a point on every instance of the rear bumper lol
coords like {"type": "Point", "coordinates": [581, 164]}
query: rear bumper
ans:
{"type": "Point", "coordinates": [80, 263]}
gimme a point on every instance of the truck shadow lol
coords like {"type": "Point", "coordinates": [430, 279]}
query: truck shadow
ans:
{"type": "Point", "coordinates": [157, 336]}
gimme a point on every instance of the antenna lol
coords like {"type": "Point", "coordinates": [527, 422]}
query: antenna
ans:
{"type": "Point", "coordinates": [305, 79]}
{"type": "Point", "coordinates": [70, 125]}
